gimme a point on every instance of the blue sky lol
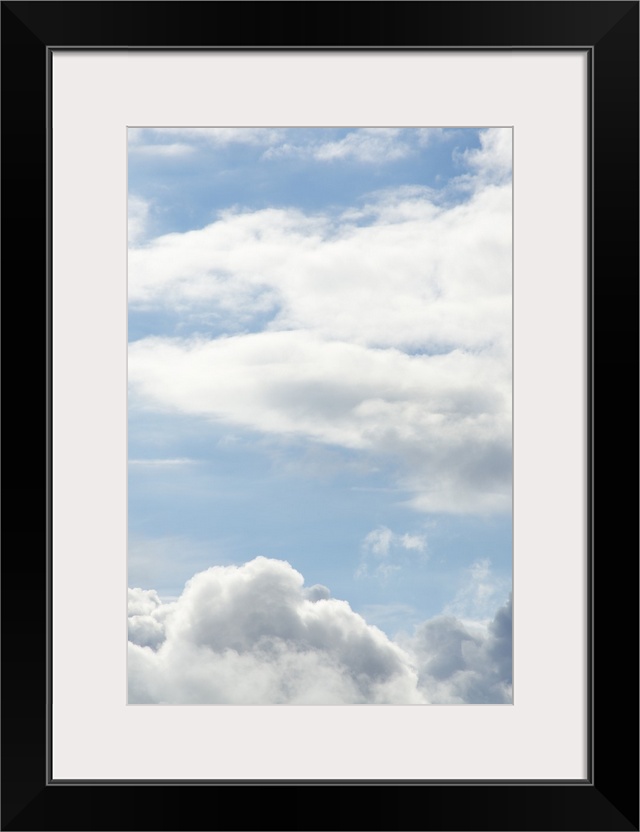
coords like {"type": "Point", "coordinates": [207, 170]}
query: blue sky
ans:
{"type": "Point", "coordinates": [320, 363]}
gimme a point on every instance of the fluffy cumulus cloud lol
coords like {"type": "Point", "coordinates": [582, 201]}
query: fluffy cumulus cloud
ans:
{"type": "Point", "coordinates": [465, 662]}
{"type": "Point", "coordinates": [491, 163]}
{"type": "Point", "coordinates": [254, 634]}
{"type": "Point", "coordinates": [146, 616]}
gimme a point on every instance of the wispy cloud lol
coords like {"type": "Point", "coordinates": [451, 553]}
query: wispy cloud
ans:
{"type": "Point", "coordinates": [481, 591]}
{"type": "Point", "coordinates": [174, 149]}
{"type": "Point", "coordinates": [374, 145]}
{"type": "Point", "coordinates": [384, 552]}
{"type": "Point", "coordinates": [366, 146]}
{"type": "Point", "coordinates": [137, 218]}
{"type": "Point", "coordinates": [180, 141]}
{"type": "Point", "coordinates": [222, 135]}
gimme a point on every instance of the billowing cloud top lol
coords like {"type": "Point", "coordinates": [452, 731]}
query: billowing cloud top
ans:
{"type": "Point", "coordinates": [253, 634]}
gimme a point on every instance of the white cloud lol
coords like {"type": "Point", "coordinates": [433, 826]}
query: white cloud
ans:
{"type": "Point", "coordinates": [465, 662]}
{"type": "Point", "coordinates": [378, 541]}
{"type": "Point", "coordinates": [415, 276]}
{"type": "Point", "coordinates": [491, 163]}
{"type": "Point", "coordinates": [389, 331]}
{"type": "Point", "coordinates": [179, 141]}
{"type": "Point", "coordinates": [413, 542]}
{"type": "Point", "coordinates": [146, 615]}
{"type": "Point", "coordinates": [430, 135]}
{"type": "Point", "coordinates": [317, 592]}
{"type": "Point", "coordinates": [369, 145]}
{"type": "Point", "coordinates": [443, 421]}
{"type": "Point", "coordinates": [253, 634]}
{"type": "Point", "coordinates": [223, 135]}
{"type": "Point", "coordinates": [137, 218]}
{"type": "Point", "coordinates": [385, 552]}
{"type": "Point", "coordinates": [479, 594]}
{"type": "Point", "coordinates": [142, 601]}
{"type": "Point", "coordinates": [174, 149]}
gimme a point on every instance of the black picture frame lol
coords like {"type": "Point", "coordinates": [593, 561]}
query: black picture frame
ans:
{"type": "Point", "coordinates": [608, 798]}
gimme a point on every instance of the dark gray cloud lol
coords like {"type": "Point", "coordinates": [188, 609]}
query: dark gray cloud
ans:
{"type": "Point", "coordinates": [461, 662]}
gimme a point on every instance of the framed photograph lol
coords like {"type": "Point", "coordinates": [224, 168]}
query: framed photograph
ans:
{"type": "Point", "coordinates": [331, 320]}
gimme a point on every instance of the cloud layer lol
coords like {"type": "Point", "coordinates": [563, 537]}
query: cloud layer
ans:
{"type": "Point", "coordinates": [254, 634]}
{"type": "Point", "coordinates": [398, 272]}
{"type": "Point", "coordinates": [384, 328]}
{"type": "Point", "coordinates": [443, 422]}
{"type": "Point", "coordinates": [367, 145]}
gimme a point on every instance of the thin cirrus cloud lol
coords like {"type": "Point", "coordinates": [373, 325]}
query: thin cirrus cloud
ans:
{"type": "Point", "coordinates": [254, 634]}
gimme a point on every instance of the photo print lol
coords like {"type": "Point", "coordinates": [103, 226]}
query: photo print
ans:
{"type": "Point", "coordinates": [320, 415]}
